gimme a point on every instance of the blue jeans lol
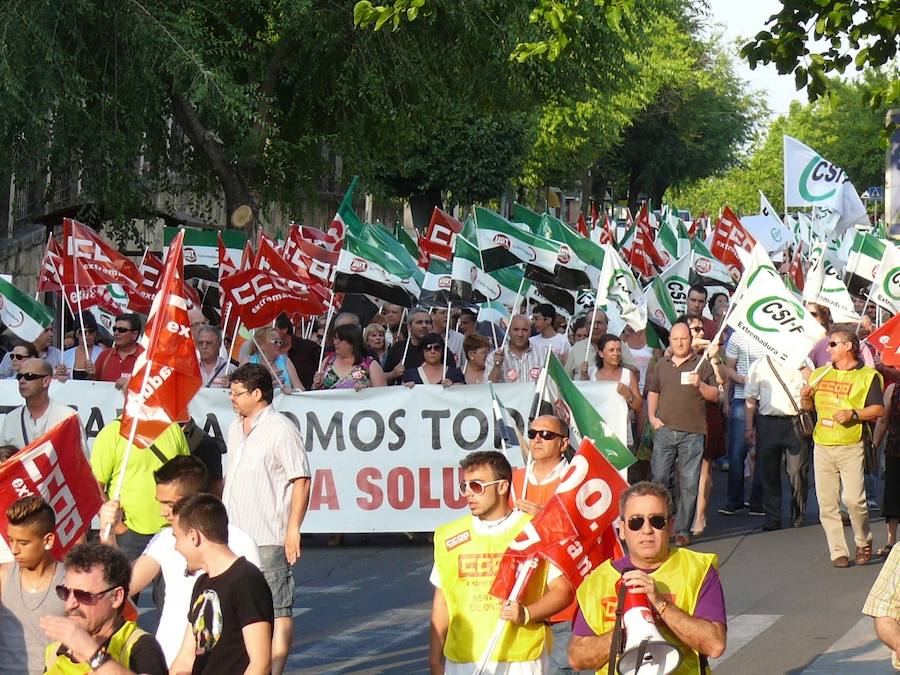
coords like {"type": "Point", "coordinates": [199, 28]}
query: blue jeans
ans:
{"type": "Point", "coordinates": [737, 456]}
{"type": "Point", "coordinates": [682, 450]}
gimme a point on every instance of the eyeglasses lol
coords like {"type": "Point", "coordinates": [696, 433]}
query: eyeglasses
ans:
{"type": "Point", "coordinates": [433, 347]}
{"type": "Point", "coordinates": [121, 329]}
{"type": "Point", "coordinates": [696, 329]}
{"type": "Point", "coordinates": [476, 487]}
{"type": "Point", "coordinates": [81, 597]}
{"type": "Point", "coordinates": [657, 522]}
{"type": "Point", "coordinates": [237, 394]}
{"type": "Point", "coordinates": [17, 357]}
{"type": "Point", "coordinates": [546, 434]}
{"type": "Point", "coordinates": [31, 377]}
{"type": "Point", "coordinates": [835, 343]}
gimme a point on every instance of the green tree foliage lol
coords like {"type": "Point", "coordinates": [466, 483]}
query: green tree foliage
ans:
{"type": "Point", "coordinates": [839, 125]}
{"type": "Point", "coordinates": [812, 38]}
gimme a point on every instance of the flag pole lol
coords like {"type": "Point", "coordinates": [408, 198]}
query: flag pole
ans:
{"type": "Point", "coordinates": [266, 359]}
{"type": "Point", "coordinates": [325, 335]}
{"type": "Point", "coordinates": [539, 388]}
{"type": "Point", "coordinates": [446, 338]}
{"type": "Point", "coordinates": [87, 355]}
{"type": "Point", "coordinates": [515, 309]}
{"type": "Point", "coordinates": [522, 578]}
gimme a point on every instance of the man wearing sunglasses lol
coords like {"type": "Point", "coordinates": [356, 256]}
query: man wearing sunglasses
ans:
{"type": "Point", "coordinates": [43, 344]}
{"type": "Point", "coordinates": [683, 588]}
{"type": "Point", "coordinates": [117, 363]}
{"type": "Point", "coordinates": [39, 414]}
{"type": "Point", "coordinates": [466, 554]}
{"type": "Point", "coordinates": [846, 395]}
{"type": "Point", "coordinates": [534, 486]}
{"type": "Point", "coordinates": [93, 636]}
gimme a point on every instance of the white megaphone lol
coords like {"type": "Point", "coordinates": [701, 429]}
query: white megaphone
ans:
{"type": "Point", "coordinates": [646, 651]}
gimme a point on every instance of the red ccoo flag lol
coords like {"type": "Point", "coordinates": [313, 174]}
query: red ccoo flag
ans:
{"type": "Point", "coordinates": [574, 529]}
{"type": "Point", "coordinates": [729, 236]}
{"type": "Point", "coordinates": [50, 276]}
{"type": "Point", "coordinates": [166, 375]}
{"type": "Point", "coordinates": [886, 341]}
{"type": "Point", "coordinates": [55, 467]}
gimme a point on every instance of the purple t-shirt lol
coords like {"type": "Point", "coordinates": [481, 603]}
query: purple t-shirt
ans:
{"type": "Point", "coordinates": [710, 603]}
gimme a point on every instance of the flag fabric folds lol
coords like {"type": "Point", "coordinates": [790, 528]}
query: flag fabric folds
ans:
{"type": "Point", "coordinates": [23, 315]}
{"type": "Point", "coordinates": [503, 244]}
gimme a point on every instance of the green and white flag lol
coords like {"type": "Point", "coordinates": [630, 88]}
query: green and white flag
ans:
{"type": "Point", "coordinates": [579, 260]}
{"type": "Point", "coordinates": [824, 286]}
{"type": "Point", "coordinates": [469, 282]}
{"type": "Point", "coordinates": [512, 283]}
{"type": "Point", "coordinates": [495, 312]}
{"type": "Point", "coordinates": [886, 284]}
{"type": "Point", "coordinates": [706, 269]}
{"type": "Point", "coordinates": [345, 219]}
{"type": "Point", "coordinates": [675, 281]}
{"type": "Point", "coordinates": [767, 315]}
{"type": "Point", "coordinates": [531, 219]}
{"type": "Point", "coordinates": [666, 242]}
{"type": "Point", "coordinates": [23, 315]}
{"type": "Point", "coordinates": [379, 237]}
{"type": "Point", "coordinates": [863, 262]}
{"type": "Point", "coordinates": [436, 284]}
{"type": "Point", "coordinates": [364, 268]}
{"type": "Point", "coordinates": [570, 404]}
{"type": "Point", "coordinates": [661, 314]}
{"type": "Point", "coordinates": [618, 284]}
{"type": "Point", "coordinates": [504, 244]}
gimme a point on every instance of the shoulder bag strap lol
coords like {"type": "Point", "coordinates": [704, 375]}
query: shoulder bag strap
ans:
{"type": "Point", "coordinates": [783, 385]}
{"type": "Point", "coordinates": [22, 420]}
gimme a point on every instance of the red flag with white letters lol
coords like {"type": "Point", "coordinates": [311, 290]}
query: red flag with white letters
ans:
{"type": "Point", "coordinates": [258, 297]}
{"type": "Point", "coordinates": [574, 529]}
{"type": "Point", "coordinates": [729, 236]}
{"type": "Point", "coordinates": [166, 374]}
{"type": "Point", "coordinates": [438, 239]}
{"type": "Point", "coordinates": [50, 276]}
{"type": "Point", "coordinates": [99, 259]}
{"type": "Point", "coordinates": [55, 467]}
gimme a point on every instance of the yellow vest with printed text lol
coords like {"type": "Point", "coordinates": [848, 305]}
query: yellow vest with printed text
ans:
{"type": "Point", "coordinates": [119, 650]}
{"type": "Point", "coordinates": [467, 563]}
{"type": "Point", "coordinates": [840, 390]}
{"type": "Point", "coordinates": [679, 579]}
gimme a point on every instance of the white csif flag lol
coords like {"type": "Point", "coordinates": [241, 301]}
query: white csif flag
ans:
{"type": "Point", "coordinates": [811, 180]}
{"type": "Point", "coordinates": [767, 315]}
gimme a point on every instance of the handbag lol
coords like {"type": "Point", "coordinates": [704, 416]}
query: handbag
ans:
{"type": "Point", "coordinates": [805, 421]}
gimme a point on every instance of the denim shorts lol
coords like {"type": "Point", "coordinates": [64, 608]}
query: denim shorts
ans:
{"type": "Point", "coordinates": [280, 578]}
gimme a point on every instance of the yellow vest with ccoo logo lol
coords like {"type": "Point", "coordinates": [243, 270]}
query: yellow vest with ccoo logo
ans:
{"type": "Point", "coordinates": [119, 650]}
{"type": "Point", "coordinates": [467, 563]}
{"type": "Point", "coordinates": [679, 579]}
{"type": "Point", "coordinates": [840, 390]}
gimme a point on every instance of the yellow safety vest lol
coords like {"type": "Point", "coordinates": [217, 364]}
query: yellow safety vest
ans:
{"type": "Point", "coordinates": [467, 563]}
{"type": "Point", "coordinates": [119, 650]}
{"type": "Point", "coordinates": [840, 390]}
{"type": "Point", "coordinates": [678, 579]}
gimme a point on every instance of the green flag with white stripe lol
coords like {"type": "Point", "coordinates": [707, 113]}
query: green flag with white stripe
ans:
{"type": "Point", "coordinates": [469, 282]}
{"type": "Point", "coordinates": [23, 315]}
{"type": "Point", "coordinates": [504, 244]}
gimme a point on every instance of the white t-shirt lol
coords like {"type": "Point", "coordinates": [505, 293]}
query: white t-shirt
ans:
{"type": "Point", "coordinates": [559, 343]}
{"type": "Point", "coordinates": [11, 433]}
{"type": "Point", "coordinates": [538, 666]}
{"type": "Point", "coordinates": [179, 587]}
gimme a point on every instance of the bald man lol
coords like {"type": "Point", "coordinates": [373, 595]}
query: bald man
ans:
{"type": "Point", "coordinates": [580, 349]}
{"type": "Point", "coordinates": [39, 414]}
{"type": "Point", "coordinates": [521, 361]}
{"type": "Point", "coordinates": [679, 387]}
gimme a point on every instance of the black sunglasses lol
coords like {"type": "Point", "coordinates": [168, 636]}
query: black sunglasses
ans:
{"type": "Point", "coordinates": [81, 597]}
{"type": "Point", "coordinates": [546, 434]}
{"type": "Point", "coordinates": [119, 329]}
{"type": "Point", "coordinates": [31, 377]}
{"type": "Point", "coordinates": [834, 344]}
{"type": "Point", "coordinates": [434, 346]}
{"type": "Point", "coordinates": [17, 357]}
{"type": "Point", "coordinates": [657, 522]}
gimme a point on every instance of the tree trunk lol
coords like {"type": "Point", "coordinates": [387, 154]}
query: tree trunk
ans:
{"type": "Point", "coordinates": [587, 189]}
{"type": "Point", "coordinates": [238, 195]}
{"type": "Point", "coordinates": [422, 206]}
{"type": "Point", "coordinates": [633, 191]}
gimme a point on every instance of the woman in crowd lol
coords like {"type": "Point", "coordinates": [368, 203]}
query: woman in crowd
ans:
{"type": "Point", "coordinates": [608, 368]}
{"type": "Point", "coordinates": [375, 340]}
{"type": "Point", "coordinates": [21, 350]}
{"type": "Point", "coordinates": [265, 350]}
{"type": "Point", "coordinates": [579, 330]}
{"type": "Point", "coordinates": [433, 371]}
{"type": "Point", "coordinates": [476, 347]}
{"type": "Point", "coordinates": [78, 367]}
{"type": "Point", "coordinates": [888, 425]}
{"type": "Point", "coordinates": [718, 305]}
{"type": "Point", "coordinates": [349, 366]}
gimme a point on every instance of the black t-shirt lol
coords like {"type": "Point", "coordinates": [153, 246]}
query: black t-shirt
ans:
{"type": "Point", "coordinates": [304, 354]}
{"type": "Point", "coordinates": [415, 357]}
{"type": "Point", "coordinates": [220, 608]}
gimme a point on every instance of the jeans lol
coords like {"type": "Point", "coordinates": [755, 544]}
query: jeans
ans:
{"type": "Point", "coordinates": [684, 450]}
{"type": "Point", "coordinates": [776, 438]}
{"type": "Point", "coordinates": [737, 457]}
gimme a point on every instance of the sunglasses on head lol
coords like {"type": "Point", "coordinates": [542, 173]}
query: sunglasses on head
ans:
{"type": "Point", "coordinates": [434, 346]}
{"type": "Point", "coordinates": [546, 434]}
{"type": "Point", "coordinates": [657, 522]}
{"type": "Point", "coordinates": [121, 329]}
{"type": "Point", "coordinates": [81, 597]}
{"type": "Point", "coordinates": [476, 487]}
{"type": "Point", "coordinates": [30, 376]}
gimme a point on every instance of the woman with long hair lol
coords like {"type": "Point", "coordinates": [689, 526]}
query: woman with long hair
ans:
{"type": "Point", "coordinates": [608, 368]}
{"type": "Point", "coordinates": [349, 366]}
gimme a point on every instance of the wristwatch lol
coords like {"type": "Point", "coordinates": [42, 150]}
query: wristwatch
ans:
{"type": "Point", "coordinates": [99, 658]}
{"type": "Point", "coordinates": [854, 416]}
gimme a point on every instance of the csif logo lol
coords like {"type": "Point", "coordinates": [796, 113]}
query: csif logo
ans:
{"type": "Point", "coordinates": [891, 284]}
{"type": "Point", "coordinates": [773, 315]}
{"type": "Point", "coordinates": [820, 172]}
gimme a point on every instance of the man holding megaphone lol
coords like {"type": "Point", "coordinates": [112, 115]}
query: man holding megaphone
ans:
{"type": "Point", "coordinates": [673, 605]}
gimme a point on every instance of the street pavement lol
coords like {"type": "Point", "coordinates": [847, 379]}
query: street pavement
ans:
{"type": "Point", "coordinates": [363, 607]}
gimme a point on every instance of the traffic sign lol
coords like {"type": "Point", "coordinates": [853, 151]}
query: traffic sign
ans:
{"type": "Point", "coordinates": [876, 194]}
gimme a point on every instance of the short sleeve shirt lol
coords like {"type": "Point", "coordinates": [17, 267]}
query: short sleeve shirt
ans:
{"type": "Point", "coordinates": [681, 406]}
{"type": "Point", "coordinates": [111, 365]}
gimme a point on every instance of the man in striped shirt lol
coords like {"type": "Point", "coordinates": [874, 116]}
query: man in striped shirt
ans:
{"type": "Point", "coordinates": [267, 491]}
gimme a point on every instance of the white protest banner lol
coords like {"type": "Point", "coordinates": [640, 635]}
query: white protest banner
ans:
{"type": "Point", "coordinates": [383, 460]}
